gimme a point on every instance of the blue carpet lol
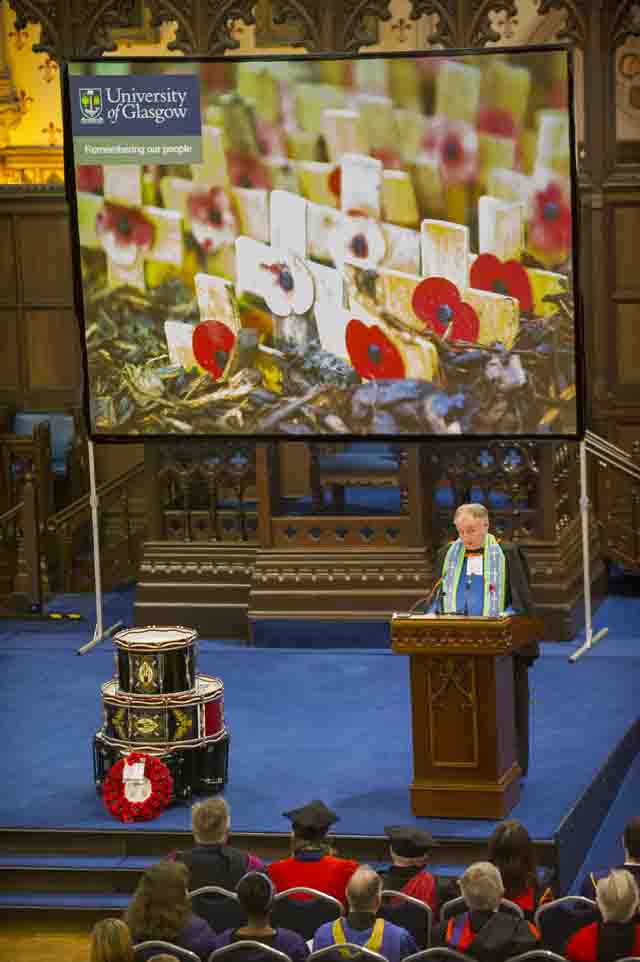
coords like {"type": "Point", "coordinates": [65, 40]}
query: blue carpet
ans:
{"type": "Point", "coordinates": [607, 849]}
{"type": "Point", "coordinates": [333, 724]}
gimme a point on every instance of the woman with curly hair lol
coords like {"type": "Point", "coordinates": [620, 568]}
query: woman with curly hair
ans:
{"type": "Point", "coordinates": [511, 851]}
{"type": "Point", "coordinates": [111, 942]}
{"type": "Point", "coordinates": [160, 909]}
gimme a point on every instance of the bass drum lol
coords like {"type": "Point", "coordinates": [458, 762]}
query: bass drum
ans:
{"type": "Point", "coordinates": [203, 770]}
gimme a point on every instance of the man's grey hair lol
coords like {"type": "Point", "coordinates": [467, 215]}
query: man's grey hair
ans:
{"type": "Point", "coordinates": [363, 890]}
{"type": "Point", "coordinates": [482, 888]}
{"type": "Point", "coordinates": [473, 509]}
{"type": "Point", "coordinates": [210, 821]}
{"type": "Point", "coordinates": [617, 896]}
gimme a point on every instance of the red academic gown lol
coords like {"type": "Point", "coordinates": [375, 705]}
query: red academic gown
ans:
{"type": "Point", "coordinates": [315, 870]}
{"type": "Point", "coordinates": [604, 942]}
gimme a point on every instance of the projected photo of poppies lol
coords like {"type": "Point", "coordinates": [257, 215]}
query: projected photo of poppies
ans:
{"type": "Point", "coordinates": [375, 246]}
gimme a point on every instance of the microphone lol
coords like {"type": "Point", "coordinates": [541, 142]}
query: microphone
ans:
{"type": "Point", "coordinates": [429, 597]}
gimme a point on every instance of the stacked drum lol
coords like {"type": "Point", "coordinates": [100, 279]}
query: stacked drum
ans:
{"type": "Point", "coordinates": [159, 704]}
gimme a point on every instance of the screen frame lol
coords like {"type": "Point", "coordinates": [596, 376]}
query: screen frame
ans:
{"type": "Point", "coordinates": [579, 334]}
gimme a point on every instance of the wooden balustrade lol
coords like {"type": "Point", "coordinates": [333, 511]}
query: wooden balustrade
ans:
{"type": "Point", "coordinates": [121, 532]}
{"type": "Point", "coordinates": [21, 572]}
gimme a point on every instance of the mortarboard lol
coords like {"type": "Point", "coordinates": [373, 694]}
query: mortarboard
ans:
{"type": "Point", "coordinates": [313, 817]}
{"type": "Point", "coordinates": [409, 841]}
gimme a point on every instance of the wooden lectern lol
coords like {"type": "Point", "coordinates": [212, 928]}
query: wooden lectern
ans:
{"type": "Point", "coordinates": [464, 745]}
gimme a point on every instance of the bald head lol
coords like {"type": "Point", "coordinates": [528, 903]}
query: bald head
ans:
{"type": "Point", "coordinates": [364, 890]}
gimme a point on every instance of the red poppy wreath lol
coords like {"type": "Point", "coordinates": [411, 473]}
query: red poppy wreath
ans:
{"type": "Point", "coordinates": [140, 798]}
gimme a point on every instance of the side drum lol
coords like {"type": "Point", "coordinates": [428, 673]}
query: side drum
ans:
{"type": "Point", "coordinates": [156, 660]}
{"type": "Point", "coordinates": [188, 719]}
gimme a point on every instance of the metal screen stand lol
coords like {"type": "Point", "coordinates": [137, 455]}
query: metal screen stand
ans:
{"type": "Point", "coordinates": [590, 638]}
{"type": "Point", "coordinates": [100, 634]}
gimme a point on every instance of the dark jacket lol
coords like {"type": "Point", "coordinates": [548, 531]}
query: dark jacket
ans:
{"type": "Point", "coordinates": [604, 942]}
{"type": "Point", "coordinates": [491, 936]}
{"type": "Point", "coordinates": [217, 865]}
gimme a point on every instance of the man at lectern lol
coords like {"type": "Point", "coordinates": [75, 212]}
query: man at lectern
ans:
{"type": "Point", "coordinates": [481, 576]}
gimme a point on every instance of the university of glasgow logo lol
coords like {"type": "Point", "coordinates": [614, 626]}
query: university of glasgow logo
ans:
{"type": "Point", "coordinates": [91, 105]}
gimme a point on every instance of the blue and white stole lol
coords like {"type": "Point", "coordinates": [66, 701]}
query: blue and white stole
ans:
{"type": "Point", "coordinates": [494, 572]}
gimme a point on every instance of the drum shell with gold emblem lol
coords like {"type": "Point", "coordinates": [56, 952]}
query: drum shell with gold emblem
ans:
{"type": "Point", "coordinates": [156, 660]}
{"type": "Point", "coordinates": [179, 719]}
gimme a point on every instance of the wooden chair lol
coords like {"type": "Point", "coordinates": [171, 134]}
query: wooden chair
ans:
{"type": "Point", "coordinates": [359, 464]}
{"type": "Point", "coordinates": [27, 455]}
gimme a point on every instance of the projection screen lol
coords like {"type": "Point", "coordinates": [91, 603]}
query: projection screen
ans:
{"type": "Point", "coordinates": [377, 246]}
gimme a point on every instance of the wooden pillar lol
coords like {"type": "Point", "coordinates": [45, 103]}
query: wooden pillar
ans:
{"type": "Point", "coordinates": [268, 488]}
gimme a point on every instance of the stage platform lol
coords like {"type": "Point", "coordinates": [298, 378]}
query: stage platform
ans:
{"type": "Point", "coordinates": [331, 723]}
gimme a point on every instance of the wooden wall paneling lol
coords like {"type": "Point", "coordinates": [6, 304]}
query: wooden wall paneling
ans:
{"type": "Point", "coordinates": [626, 225]}
{"type": "Point", "coordinates": [44, 251]}
{"type": "Point", "coordinates": [627, 335]}
{"type": "Point", "coordinates": [9, 354]}
{"type": "Point", "coordinates": [294, 469]}
{"type": "Point", "coordinates": [52, 350]}
{"type": "Point", "coordinates": [8, 279]}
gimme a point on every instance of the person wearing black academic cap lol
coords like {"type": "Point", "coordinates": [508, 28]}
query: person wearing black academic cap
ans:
{"type": "Point", "coordinates": [313, 863]}
{"type": "Point", "coordinates": [410, 848]}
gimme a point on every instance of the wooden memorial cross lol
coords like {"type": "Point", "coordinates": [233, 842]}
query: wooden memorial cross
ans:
{"type": "Point", "coordinates": [131, 234]}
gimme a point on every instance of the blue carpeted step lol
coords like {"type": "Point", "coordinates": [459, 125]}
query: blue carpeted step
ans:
{"type": "Point", "coordinates": [606, 849]}
{"type": "Point", "coordinates": [79, 863]}
{"type": "Point", "coordinates": [64, 900]}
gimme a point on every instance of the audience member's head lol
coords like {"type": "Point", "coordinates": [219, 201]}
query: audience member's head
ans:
{"type": "Point", "coordinates": [482, 888]}
{"type": "Point", "coordinates": [210, 821]}
{"type": "Point", "coordinates": [111, 941]}
{"type": "Point", "coordinates": [631, 840]}
{"type": "Point", "coordinates": [617, 896]}
{"type": "Point", "coordinates": [511, 850]}
{"type": "Point", "coordinates": [162, 957]}
{"type": "Point", "coordinates": [310, 823]}
{"type": "Point", "coordinates": [364, 891]}
{"type": "Point", "coordinates": [255, 893]}
{"type": "Point", "coordinates": [160, 905]}
{"type": "Point", "coordinates": [409, 846]}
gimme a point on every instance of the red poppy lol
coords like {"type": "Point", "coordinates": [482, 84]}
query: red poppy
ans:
{"type": "Point", "coordinates": [455, 143]}
{"type": "Point", "coordinates": [372, 354]}
{"type": "Point", "coordinates": [212, 344]}
{"type": "Point", "coordinates": [550, 228]}
{"type": "Point", "coordinates": [489, 273]}
{"type": "Point", "coordinates": [335, 181]}
{"type": "Point", "coordinates": [89, 178]}
{"type": "Point", "coordinates": [127, 225]}
{"type": "Point", "coordinates": [497, 122]}
{"type": "Point", "coordinates": [247, 170]}
{"type": "Point", "coordinates": [213, 221]}
{"type": "Point", "coordinates": [437, 302]}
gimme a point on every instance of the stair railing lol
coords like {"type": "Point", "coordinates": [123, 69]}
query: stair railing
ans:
{"type": "Point", "coordinates": [20, 552]}
{"type": "Point", "coordinates": [65, 526]}
{"type": "Point", "coordinates": [612, 456]}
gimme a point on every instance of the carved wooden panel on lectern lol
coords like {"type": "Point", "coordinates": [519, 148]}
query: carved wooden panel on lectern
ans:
{"type": "Point", "coordinates": [452, 707]}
